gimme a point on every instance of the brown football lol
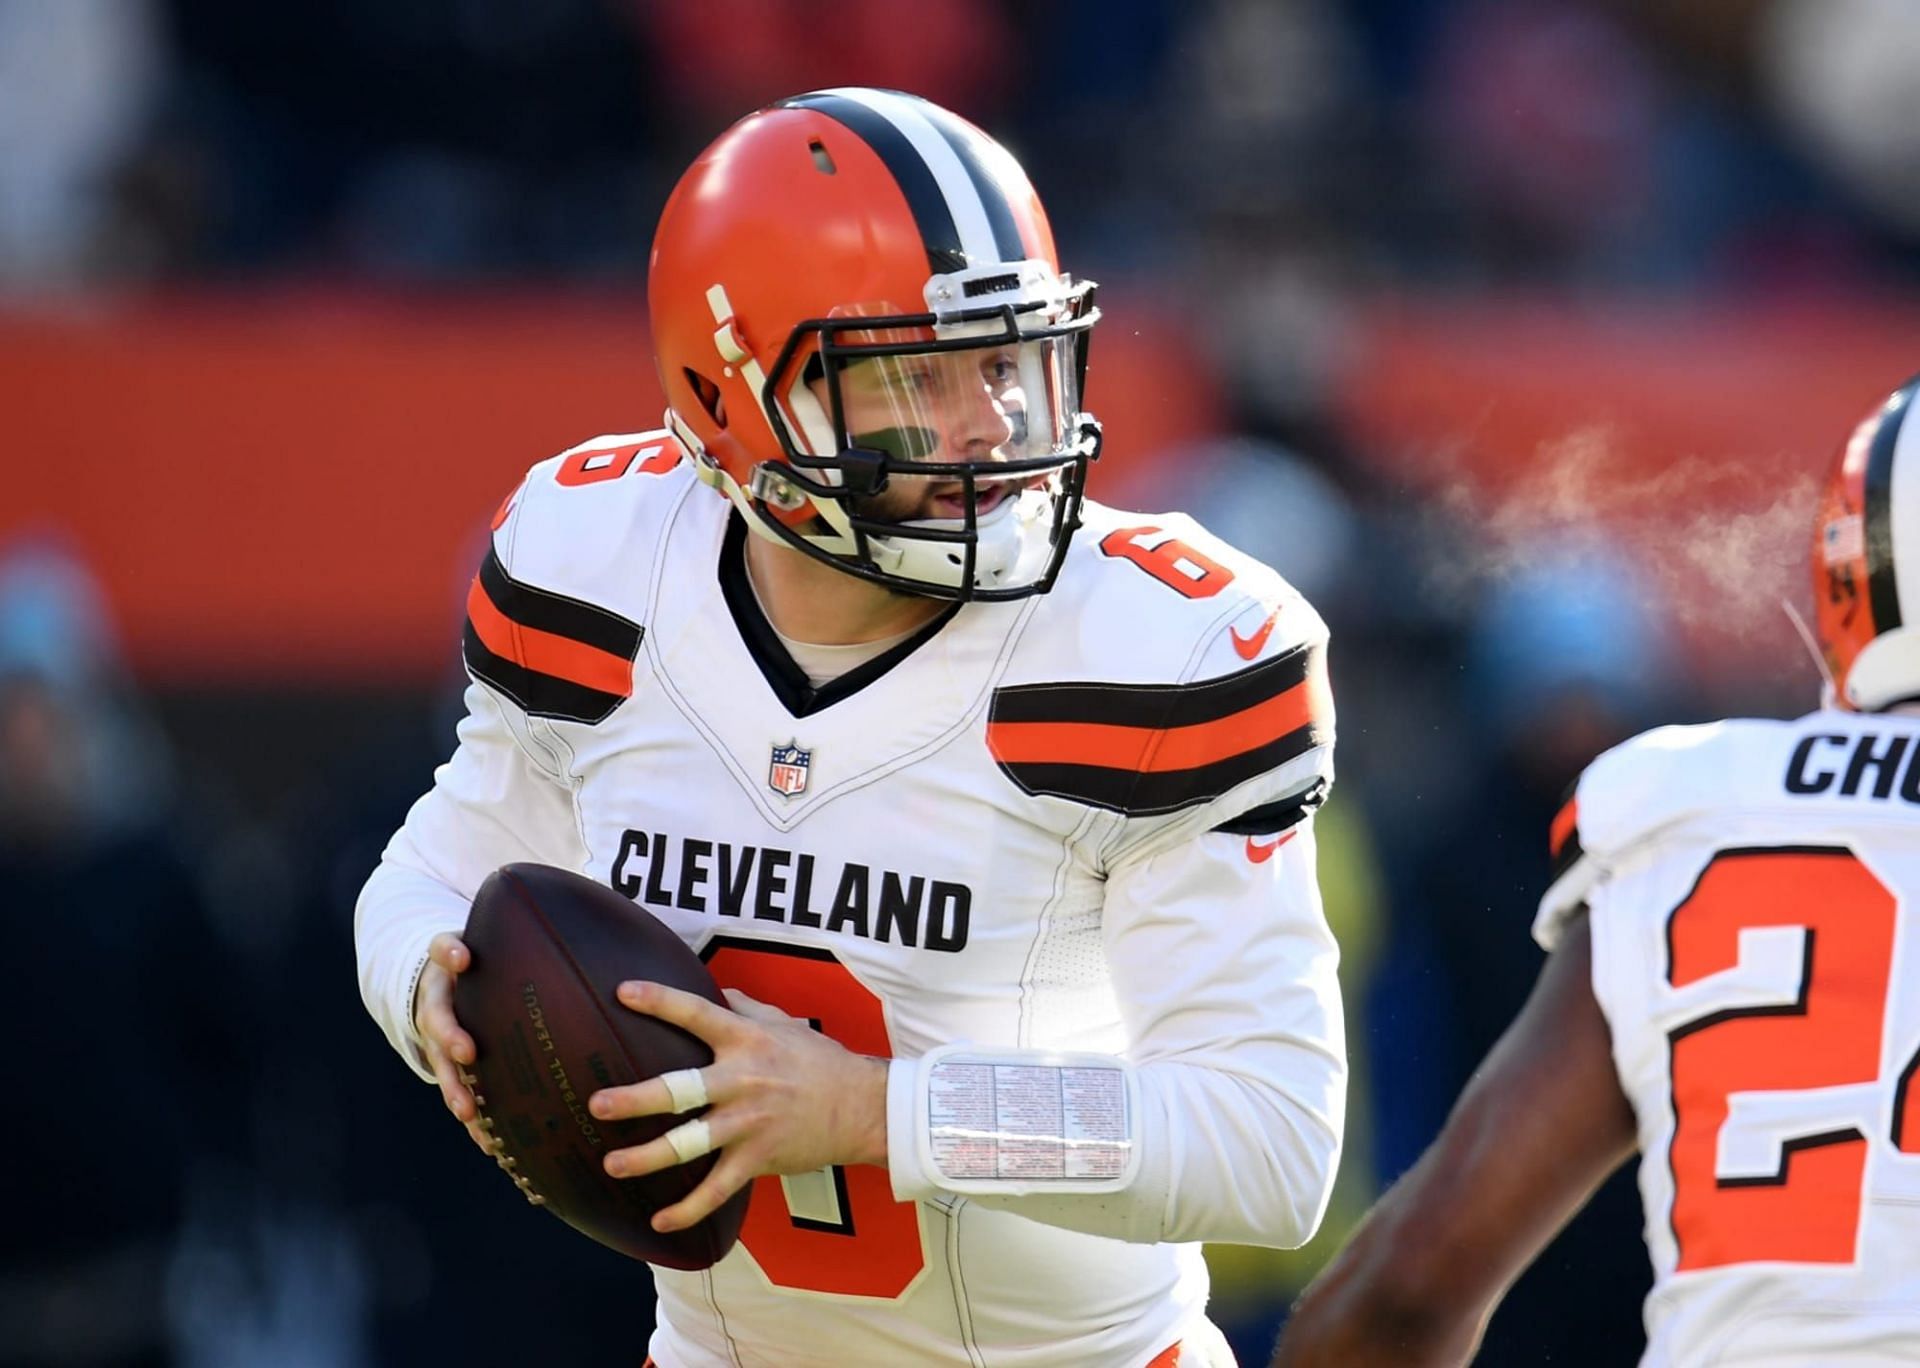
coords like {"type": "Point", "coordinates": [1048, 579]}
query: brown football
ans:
{"type": "Point", "coordinates": [549, 948]}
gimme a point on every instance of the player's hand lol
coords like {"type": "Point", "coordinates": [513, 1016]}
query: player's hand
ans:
{"type": "Point", "coordinates": [449, 1048]}
{"type": "Point", "coordinates": [782, 1098]}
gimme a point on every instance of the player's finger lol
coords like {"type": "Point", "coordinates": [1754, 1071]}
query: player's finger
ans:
{"type": "Point", "coordinates": [460, 1045]}
{"type": "Point", "coordinates": [728, 1177]}
{"type": "Point", "coordinates": [442, 1027]}
{"type": "Point", "coordinates": [683, 1090]}
{"type": "Point", "coordinates": [458, 1097]}
{"type": "Point", "coordinates": [479, 1129]}
{"type": "Point", "coordinates": [752, 1008]}
{"type": "Point", "coordinates": [667, 1150]}
{"type": "Point", "coordinates": [689, 1011]}
{"type": "Point", "coordinates": [449, 952]}
{"type": "Point", "coordinates": [457, 1092]}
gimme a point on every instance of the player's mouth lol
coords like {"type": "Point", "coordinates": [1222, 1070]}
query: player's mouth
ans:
{"type": "Point", "coordinates": [950, 501]}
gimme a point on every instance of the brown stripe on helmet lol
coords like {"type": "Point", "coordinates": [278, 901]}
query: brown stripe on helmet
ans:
{"type": "Point", "coordinates": [918, 184]}
{"type": "Point", "coordinates": [1883, 589]}
{"type": "Point", "coordinates": [966, 145]}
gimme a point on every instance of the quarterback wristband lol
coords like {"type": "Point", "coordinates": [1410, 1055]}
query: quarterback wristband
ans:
{"type": "Point", "coordinates": [1015, 1122]}
{"type": "Point", "coordinates": [420, 1062]}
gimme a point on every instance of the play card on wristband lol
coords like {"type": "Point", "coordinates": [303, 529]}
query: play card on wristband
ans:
{"type": "Point", "coordinates": [1020, 1121]}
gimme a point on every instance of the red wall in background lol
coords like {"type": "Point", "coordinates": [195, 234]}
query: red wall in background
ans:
{"type": "Point", "coordinates": [1493, 389]}
{"type": "Point", "coordinates": [290, 488]}
{"type": "Point", "coordinates": [1693, 434]}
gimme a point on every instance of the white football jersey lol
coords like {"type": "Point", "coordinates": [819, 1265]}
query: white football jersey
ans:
{"type": "Point", "coordinates": [1080, 821]}
{"type": "Point", "coordinates": [1753, 889]}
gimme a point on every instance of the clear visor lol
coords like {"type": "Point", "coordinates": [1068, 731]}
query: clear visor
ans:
{"type": "Point", "coordinates": [938, 453]}
{"type": "Point", "coordinates": [1012, 403]}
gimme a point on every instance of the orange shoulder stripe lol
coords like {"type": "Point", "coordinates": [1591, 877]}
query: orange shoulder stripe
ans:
{"type": "Point", "coordinates": [544, 652]}
{"type": "Point", "coordinates": [1565, 823]}
{"type": "Point", "coordinates": [1152, 750]}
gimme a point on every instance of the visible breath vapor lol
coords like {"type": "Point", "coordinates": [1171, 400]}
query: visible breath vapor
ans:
{"type": "Point", "coordinates": [1709, 546]}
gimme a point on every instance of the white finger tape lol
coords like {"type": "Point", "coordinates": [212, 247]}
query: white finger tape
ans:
{"type": "Point", "coordinates": [686, 1089]}
{"type": "Point", "coordinates": [690, 1140]}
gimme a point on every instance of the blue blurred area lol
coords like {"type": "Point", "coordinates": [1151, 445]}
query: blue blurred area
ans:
{"type": "Point", "coordinates": [189, 860]}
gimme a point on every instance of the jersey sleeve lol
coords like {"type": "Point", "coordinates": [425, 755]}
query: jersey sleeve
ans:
{"type": "Point", "coordinates": [1626, 796]}
{"type": "Point", "coordinates": [1243, 748]}
{"type": "Point", "coordinates": [504, 796]}
{"type": "Point", "coordinates": [1224, 970]}
{"type": "Point", "coordinates": [1177, 710]}
{"type": "Point", "coordinates": [1574, 874]}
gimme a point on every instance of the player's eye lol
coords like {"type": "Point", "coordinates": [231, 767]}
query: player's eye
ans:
{"type": "Point", "coordinates": [922, 377]}
{"type": "Point", "coordinates": [1000, 368]}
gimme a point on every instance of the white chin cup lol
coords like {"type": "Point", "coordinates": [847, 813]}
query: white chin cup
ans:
{"type": "Point", "coordinates": [1010, 539]}
{"type": "Point", "coordinates": [1886, 670]}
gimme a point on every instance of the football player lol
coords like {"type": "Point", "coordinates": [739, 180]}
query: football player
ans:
{"type": "Point", "coordinates": [1731, 990]}
{"type": "Point", "coordinates": [991, 807]}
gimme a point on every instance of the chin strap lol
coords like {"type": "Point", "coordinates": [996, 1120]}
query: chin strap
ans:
{"type": "Point", "coordinates": [1829, 693]}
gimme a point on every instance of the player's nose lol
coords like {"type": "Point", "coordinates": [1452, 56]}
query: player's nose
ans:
{"type": "Point", "coordinates": [979, 426]}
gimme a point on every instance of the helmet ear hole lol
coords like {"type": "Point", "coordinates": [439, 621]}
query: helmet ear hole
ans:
{"type": "Point", "coordinates": [708, 393]}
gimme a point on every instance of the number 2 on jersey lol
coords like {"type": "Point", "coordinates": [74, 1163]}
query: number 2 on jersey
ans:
{"type": "Point", "coordinates": [1830, 1037]}
{"type": "Point", "coordinates": [856, 1240]}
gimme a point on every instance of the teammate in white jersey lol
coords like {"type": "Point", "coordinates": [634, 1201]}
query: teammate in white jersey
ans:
{"type": "Point", "coordinates": [1733, 989]}
{"type": "Point", "coordinates": [840, 677]}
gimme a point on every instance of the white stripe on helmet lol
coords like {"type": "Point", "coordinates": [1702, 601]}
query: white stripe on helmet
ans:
{"type": "Point", "coordinates": [956, 186]}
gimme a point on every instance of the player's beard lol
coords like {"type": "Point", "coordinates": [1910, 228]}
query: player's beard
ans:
{"type": "Point", "coordinates": [928, 498]}
{"type": "Point", "coordinates": [912, 499]}
{"type": "Point", "coordinates": [916, 498]}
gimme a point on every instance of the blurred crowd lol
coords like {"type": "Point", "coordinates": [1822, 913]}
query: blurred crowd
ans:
{"type": "Point", "coordinates": [1302, 144]}
{"type": "Point", "coordinates": [249, 1178]}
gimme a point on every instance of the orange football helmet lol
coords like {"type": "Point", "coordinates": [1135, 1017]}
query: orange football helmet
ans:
{"type": "Point", "coordinates": [853, 288]}
{"type": "Point", "coordinates": [1866, 560]}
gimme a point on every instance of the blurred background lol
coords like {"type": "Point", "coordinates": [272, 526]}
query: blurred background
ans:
{"type": "Point", "coordinates": [1516, 332]}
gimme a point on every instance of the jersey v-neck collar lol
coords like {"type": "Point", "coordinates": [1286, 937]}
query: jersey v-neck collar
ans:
{"type": "Point", "coordinates": [787, 680]}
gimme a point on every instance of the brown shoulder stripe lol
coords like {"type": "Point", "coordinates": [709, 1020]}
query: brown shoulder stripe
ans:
{"type": "Point", "coordinates": [554, 656]}
{"type": "Point", "coordinates": [1151, 748]}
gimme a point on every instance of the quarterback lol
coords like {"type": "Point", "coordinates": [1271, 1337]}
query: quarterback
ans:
{"type": "Point", "coordinates": [1733, 991]}
{"type": "Point", "coordinates": [991, 808]}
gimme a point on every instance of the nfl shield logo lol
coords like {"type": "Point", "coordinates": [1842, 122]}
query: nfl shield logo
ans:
{"type": "Point", "coordinates": [787, 775]}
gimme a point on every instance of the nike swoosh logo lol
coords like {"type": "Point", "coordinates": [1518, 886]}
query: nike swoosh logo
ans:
{"type": "Point", "coordinates": [1249, 646]}
{"type": "Point", "coordinates": [1260, 854]}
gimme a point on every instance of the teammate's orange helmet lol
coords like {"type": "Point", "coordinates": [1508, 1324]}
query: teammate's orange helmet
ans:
{"type": "Point", "coordinates": [870, 234]}
{"type": "Point", "coordinates": [1866, 560]}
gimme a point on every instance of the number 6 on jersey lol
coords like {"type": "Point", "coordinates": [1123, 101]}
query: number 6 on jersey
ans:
{"type": "Point", "coordinates": [840, 1232]}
